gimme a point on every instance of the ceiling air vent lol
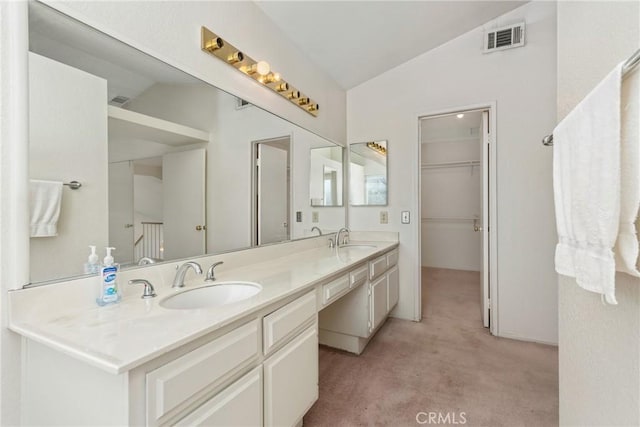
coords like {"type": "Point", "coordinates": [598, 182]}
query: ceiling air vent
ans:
{"type": "Point", "coordinates": [504, 38]}
{"type": "Point", "coordinates": [119, 101]}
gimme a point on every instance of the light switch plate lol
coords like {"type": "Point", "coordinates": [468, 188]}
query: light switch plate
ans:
{"type": "Point", "coordinates": [406, 217]}
{"type": "Point", "coordinates": [298, 216]}
{"type": "Point", "coordinates": [315, 216]}
{"type": "Point", "coordinates": [384, 217]}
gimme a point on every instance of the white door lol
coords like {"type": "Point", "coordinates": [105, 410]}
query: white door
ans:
{"type": "Point", "coordinates": [183, 180]}
{"type": "Point", "coordinates": [483, 227]}
{"type": "Point", "coordinates": [273, 194]}
{"type": "Point", "coordinates": [121, 227]}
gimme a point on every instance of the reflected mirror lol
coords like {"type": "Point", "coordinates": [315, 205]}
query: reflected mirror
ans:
{"type": "Point", "coordinates": [325, 176]}
{"type": "Point", "coordinates": [368, 173]}
{"type": "Point", "coordinates": [166, 161]}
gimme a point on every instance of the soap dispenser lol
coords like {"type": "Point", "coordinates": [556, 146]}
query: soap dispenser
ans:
{"type": "Point", "coordinates": [92, 266]}
{"type": "Point", "coordinates": [108, 281]}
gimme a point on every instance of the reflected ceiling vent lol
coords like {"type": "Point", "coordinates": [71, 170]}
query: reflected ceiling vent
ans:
{"type": "Point", "coordinates": [504, 38]}
{"type": "Point", "coordinates": [119, 101]}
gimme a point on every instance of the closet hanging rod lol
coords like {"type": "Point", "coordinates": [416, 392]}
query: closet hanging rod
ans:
{"type": "Point", "coordinates": [450, 164]}
{"type": "Point", "coordinates": [628, 65]}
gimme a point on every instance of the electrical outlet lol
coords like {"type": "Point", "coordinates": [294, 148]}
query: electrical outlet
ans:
{"type": "Point", "coordinates": [384, 217]}
{"type": "Point", "coordinates": [315, 216]}
{"type": "Point", "coordinates": [406, 217]}
{"type": "Point", "coordinates": [298, 216]}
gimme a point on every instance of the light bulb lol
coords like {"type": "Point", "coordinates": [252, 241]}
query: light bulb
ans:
{"type": "Point", "coordinates": [460, 115]}
{"type": "Point", "coordinates": [263, 68]}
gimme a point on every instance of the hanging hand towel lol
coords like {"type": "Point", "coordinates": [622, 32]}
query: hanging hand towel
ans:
{"type": "Point", "coordinates": [627, 244]}
{"type": "Point", "coordinates": [45, 198]}
{"type": "Point", "coordinates": [587, 190]}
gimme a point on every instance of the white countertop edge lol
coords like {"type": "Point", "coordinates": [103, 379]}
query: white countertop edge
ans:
{"type": "Point", "coordinates": [116, 366]}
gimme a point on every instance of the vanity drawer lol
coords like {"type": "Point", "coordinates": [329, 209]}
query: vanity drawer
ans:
{"type": "Point", "coordinates": [177, 382]}
{"type": "Point", "coordinates": [377, 267]}
{"type": "Point", "coordinates": [240, 404]}
{"type": "Point", "coordinates": [358, 277]}
{"type": "Point", "coordinates": [335, 288]}
{"type": "Point", "coordinates": [279, 325]}
{"type": "Point", "coordinates": [392, 258]}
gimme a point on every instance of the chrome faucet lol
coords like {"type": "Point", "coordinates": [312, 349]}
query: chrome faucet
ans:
{"type": "Point", "coordinates": [315, 228]}
{"type": "Point", "coordinates": [178, 281]}
{"type": "Point", "coordinates": [345, 239]}
{"type": "Point", "coordinates": [210, 273]}
{"type": "Point", "coordinates": [145, 260]}
{"type": "Point", "coordinates": [149, 292]}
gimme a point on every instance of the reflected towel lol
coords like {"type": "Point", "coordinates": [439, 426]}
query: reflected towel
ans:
{"type": "Point", "coordinates": [587, 188]}
{"type": "Point", "coordinates": [45, 199]}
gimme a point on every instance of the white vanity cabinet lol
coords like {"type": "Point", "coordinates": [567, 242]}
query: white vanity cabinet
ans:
{"type": "Point", "coordinates": [350, 322]}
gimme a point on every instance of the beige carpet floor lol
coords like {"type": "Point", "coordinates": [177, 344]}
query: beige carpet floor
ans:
{"type": "Point", "coordinates": [447, 364]}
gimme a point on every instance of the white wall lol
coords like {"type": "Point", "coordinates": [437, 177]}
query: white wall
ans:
{"type": "Point", "coordinates": [599, 354]}
{"type": "Point", "coordinates": [68, 141]}
{"type": "Point", "coordinates": [171, 31]}
{"type": "Point", "coordinates": [522, 81]}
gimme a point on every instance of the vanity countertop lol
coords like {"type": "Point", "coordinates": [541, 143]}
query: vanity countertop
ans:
{"type": "Point", "coordinates": [120, 337]}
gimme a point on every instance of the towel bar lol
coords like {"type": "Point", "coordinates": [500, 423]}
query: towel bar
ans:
{"type": "Point", "coordinates": [74, 185]}
{"type": "Point", "coordinates": [628, 65]}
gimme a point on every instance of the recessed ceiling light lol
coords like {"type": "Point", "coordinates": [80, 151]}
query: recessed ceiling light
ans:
{"type": "Point", "coordinates": [460, 115]}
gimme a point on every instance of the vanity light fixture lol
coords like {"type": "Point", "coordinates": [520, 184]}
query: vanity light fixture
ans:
{"type": "Point", "coordinates": [214, 44]}
{"type": "Point", "coordinates": [261, 67]}
{"type": "Point", "coordinates": [294, 94]}
{"type": "Point", "coordinates": [282, 87]}
{"type": "Point", "coordinates": [235, 57]}
{"type": "Point", "coordinates": [377, 147]}
{"type": "Point", "coordinates": [257, 70]}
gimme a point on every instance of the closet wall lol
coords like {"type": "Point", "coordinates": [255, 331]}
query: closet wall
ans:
{"type": "Point", "coordinates": [451, 192]}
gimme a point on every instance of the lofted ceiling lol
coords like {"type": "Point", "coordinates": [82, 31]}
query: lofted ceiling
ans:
{"type": "Point", "coordinates": [354, 41]}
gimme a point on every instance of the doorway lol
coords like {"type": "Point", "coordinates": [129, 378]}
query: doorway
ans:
{"type": "Point", "coordinates": [271, 192]}
{"type": "Point", "coordinates": [456, 193]}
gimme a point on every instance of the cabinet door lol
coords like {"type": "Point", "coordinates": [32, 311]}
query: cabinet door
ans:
{"type": "Point", "coordinates": [291, 380]}
{"type": "Point", "coordinates": [240, 404]}
{"type": "Point", "coordinates": [393, 282]}
{"type": "Point", "coordinates": [378, 301]}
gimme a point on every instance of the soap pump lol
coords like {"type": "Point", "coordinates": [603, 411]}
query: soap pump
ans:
{"type": "Point", "coordinates": [108, 281]}
{"type": "Point", "coordinates": [92, 266]}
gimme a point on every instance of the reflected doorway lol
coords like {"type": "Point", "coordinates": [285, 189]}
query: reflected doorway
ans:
{"type": "Point", "coordinates": [271, 194]}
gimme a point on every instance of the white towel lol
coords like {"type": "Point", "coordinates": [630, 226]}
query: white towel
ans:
{"type": "Point", "coordinates": [587, 188]}
{"type": "Point", "coordinates": [627, 244]}
{"type": "Point", "coordinates": [45, 198]}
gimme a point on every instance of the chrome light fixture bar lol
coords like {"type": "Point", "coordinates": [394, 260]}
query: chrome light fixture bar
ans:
{"type": "Point", "coordinates": [258, 70]}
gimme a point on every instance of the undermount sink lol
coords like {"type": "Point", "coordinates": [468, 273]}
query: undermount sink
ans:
{"type": "Point", "coordinates": [214, 295]}
{"type": "Point", "coordinates": [357, 246]}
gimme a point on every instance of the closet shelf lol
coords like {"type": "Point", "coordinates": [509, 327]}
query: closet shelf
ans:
{"type": "Point", "coordinates": [449, 219]}
{"type": "Point", "coordinates": [130, 124]}
{"type": "Point", "coordinates": [463, 163]}
{"type": "Point", "coordinates": [453, 140]}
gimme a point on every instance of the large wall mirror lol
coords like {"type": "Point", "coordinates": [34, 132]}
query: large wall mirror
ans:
{"type": "Point", "coordinates": [368, 173]}
{"type": "Point", "coordinates": [167, 162]}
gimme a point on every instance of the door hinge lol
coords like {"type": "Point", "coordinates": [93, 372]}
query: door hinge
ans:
{"type": "Point", "coordinates": [258, 162]}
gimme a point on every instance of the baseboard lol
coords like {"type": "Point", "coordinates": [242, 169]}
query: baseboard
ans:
{"type": "Point", "coordinates": [516, 337]}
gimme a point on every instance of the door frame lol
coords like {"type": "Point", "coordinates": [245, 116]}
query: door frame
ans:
{"type": "Point", "coordinates": [253, 226]}
{"type": "Point", "coordinates": [493, 195]}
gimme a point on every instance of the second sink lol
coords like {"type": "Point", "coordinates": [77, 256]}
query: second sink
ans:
{"type": "Point", "coordinates": [214, 295]}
